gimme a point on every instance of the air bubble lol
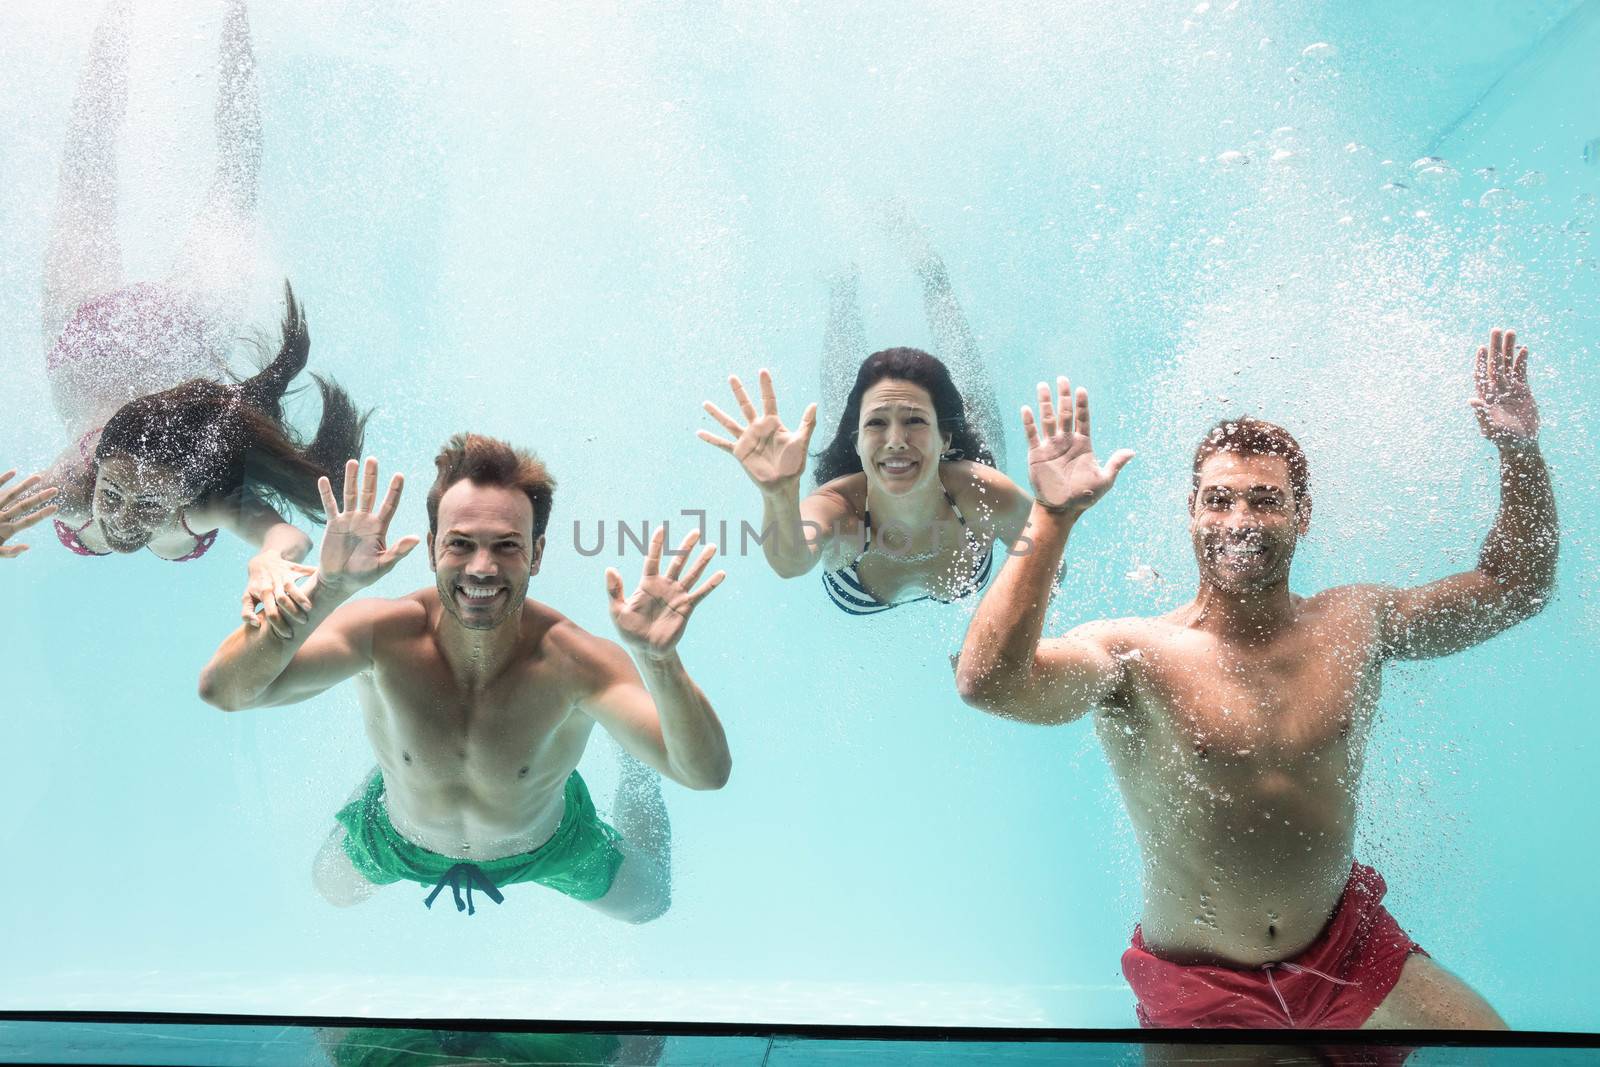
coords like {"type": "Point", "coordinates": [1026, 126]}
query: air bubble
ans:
{"type": "Point", "coordinates": [1532, 178]}
{"type": "Point", "coordinates": [1320, 50]}
{"type": "Point", "coordinates": [1436, 176]}
{"type": "Point", "coordinates": [1233, 158]}
{"type": "Point", "coordinates": [1395, 188]}
{"type": "Point", "coordinates": [1495, 199]}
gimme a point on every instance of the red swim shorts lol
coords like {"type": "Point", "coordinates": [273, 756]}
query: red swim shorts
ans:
{"type": "Point", "coordinates": [1336, 983]}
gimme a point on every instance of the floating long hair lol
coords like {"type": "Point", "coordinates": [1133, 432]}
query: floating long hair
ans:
{"type": "Point", "coordinates": [225, 439]}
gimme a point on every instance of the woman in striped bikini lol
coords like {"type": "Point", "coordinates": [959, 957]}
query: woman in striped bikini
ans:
{"type": "Point", "coordinates": [168, 448]}
{"type": "Point", "coordinates": [908, 503]}
{"type": "Point", "coordinates": [909, 498]}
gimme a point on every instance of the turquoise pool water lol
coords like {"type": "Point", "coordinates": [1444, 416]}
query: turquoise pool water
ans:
{"type": "Point", "coordinates": [568, 227]}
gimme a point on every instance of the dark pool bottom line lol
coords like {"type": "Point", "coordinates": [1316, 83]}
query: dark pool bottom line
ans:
{"type": "Point", "coordinates": [246, 1041]}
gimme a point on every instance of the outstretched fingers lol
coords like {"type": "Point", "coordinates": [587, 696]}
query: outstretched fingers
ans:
{"type": "Point", "coordinates": [1047, 411]}
{"type": "Point", "coordinates": [352, 482]}
{"type": "Point", "coordinates": [712, 439]}
{"type": "Point", "coordinates": [22, 511]}
{"type": "Point", "coordinates": [1030, 430]}
{"type": "Point", "coordinates": [369, 484]}
{"type": "Point", "coordinates": [693, 574]}
{"type": "Point", "coordinates": [808, 423]}
{"type": "Point", "coordinates": [745, 406]}
{"type": "Point", "coordinates": [391, 499]}
{"type": "Point", "coordinates": [330, 503]}
{"type": "Point", "coordinates": [704, 591]}
{"type": "Point", "coordinates": [680, 557]}
{"type": "Point", "coordinates": [769, 396]}
{"type": "Point", "coordinates": [1080, 414]}
{"type": "Point", "coordinates": [727, 421]}
{"type": "Point", "coordinates": [652, 558]}
{"type": "Point", "coordinates": [400, 549]}
{"type": "Point", "coordinates": [21, 487]}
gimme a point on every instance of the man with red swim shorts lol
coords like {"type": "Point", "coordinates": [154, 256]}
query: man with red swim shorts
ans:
{"type": "Point", "coordinates": [1236, 723]}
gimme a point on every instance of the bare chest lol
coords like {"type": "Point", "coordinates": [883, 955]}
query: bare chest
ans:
{"type": "Point", "coordinates": [421, 717]}
{"type": "Point", "coordinates": [1296, 699]}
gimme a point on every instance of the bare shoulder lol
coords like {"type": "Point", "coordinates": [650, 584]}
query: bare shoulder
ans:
{"type": "Point", "coordinates": [586, 658]}
{"type": "Point", "coordinates": [848, 492]}
{"type": "Point", "coordinates": [1350, 603]}
{"type": "Point", "coordinates": [1128, 636]}
{"type": "Point", "coordinates": [387, 618]}
{"type": "Point", "coordinates": [977, 486]}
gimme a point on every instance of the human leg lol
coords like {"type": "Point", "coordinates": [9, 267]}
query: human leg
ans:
{"type": "Point", "coordinates": [953, 339]}
{"type": "Point", "coordinates": [844, 345]}
{"type": "Point", "coordinates": [216, 256]}
{"type": "Point", "coordinates": [1431, 998]}
{"type": "Point", "coordinates": [642, 888]}
{"type": "Point", "coordinates": [83, 257]}
{"type": "Point", "coordinates": [332, 872]}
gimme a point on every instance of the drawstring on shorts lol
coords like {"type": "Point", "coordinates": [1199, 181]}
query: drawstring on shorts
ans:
{"type": "Point", "coordinates": [1292, 968]}
{"type": "Point", "coordinates": [473, 876]}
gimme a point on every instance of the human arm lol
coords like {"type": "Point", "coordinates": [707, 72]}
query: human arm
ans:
{"type": "Point", "coordinates": [655, 710]}
{"type": "Point", "coordinates": [1005, 668]}
{"type": "Point", "coordinates": [274, 569]}
{"type": "Point", "coordinates": [794, 532]}
{"type": "Point", "coordinates": [259, 666]}
{"type": "Point", "coordinates": [21, 506]}
{"type": "Point", "coordinates": [1516, 569]}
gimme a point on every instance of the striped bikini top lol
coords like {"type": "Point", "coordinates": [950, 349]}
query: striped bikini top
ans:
{"type": "Point", "coordinates": [851, 595]}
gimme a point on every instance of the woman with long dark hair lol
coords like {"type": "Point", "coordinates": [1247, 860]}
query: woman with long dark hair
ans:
{"type": "Point", "coordinates": [909, 498]}
{"type": "Point", "coordinates": [908, 502]}
{"type": "Point", "coordinates": [168, 448]}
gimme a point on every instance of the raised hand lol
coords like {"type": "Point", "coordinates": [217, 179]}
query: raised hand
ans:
{"type": "Point", "coordinates": [354, 554]}
{"type": "Point", "coordinates": [1061, 465]}
{"type": "Point", "coordinates": [20, 509]}
{"type": "Point", "coordinates": [770, 453]}
{"type": "Point", "coordinates": [1504, 405]}
{"type": "Point", "coordinates": [652, 619]}
{"type": "Point", "coordinates": [270, 586]}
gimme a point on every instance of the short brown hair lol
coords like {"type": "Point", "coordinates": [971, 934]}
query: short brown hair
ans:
{"type": "Point", "coordinates": [1256, 437]}
{"type": "Point", "coordinates": [490, 461]}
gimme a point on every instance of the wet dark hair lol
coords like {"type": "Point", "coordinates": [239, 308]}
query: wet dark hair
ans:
{"type": "Point", "coordinates": [226, 439]}
{"type": "Point", "coordinates": [491, 461]}
{"type": "Point", "coordinates": [1255, 437]}
{"type": "Point", "coordinates": [912, 365]}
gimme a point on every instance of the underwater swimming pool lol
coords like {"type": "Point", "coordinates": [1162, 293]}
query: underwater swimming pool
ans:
{"type": "Point", "coordinates": [568, 227]}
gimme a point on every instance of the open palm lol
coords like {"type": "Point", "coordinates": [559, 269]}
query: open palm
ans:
{"type": "Point", "coordinates": [20, 507]}
{"type": "Point", "coordinates": [354, 550]}
{"type": "Point", "coordinates": [1061, 462]}
{"type": "Point", "coordinates": [770, 452]}
{"type": "Point", "coordinates": [652, 619]}
{"type": "Point", "coordinates": [1506, 411]}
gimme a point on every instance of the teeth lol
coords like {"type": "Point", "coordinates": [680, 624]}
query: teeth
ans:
{"type": "Point", "coordinates": [477, 592]}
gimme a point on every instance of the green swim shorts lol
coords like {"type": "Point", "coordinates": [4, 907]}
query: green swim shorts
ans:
{"type": "Point", "coordinates": [580, 859]}
{"type": "Point", "coordinates": [408, 1048]}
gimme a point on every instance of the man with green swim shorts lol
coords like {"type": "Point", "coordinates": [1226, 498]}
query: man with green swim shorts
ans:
{"type": "Point", "coordinates": [479, 701]}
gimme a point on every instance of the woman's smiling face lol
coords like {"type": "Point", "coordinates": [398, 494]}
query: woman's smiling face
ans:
{"type": "Point", "coordinates": [898, 436]}
{"type": "Point", "coordinates": [132, 501]}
